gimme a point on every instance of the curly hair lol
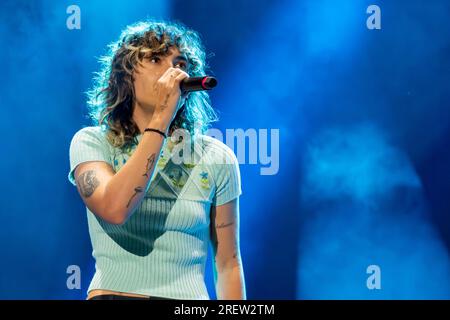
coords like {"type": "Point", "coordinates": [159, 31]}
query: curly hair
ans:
{"type": "Point", "coordinates": [111, 99]}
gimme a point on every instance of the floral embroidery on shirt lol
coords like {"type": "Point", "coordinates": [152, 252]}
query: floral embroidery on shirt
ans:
{"type": "Point", "coordinates": [162, 161]}
{"type": "Point", "coordinates": [204, 180]}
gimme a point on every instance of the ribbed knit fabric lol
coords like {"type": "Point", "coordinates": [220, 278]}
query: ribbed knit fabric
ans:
{"type": "Point", "coordinates": [161, 250]}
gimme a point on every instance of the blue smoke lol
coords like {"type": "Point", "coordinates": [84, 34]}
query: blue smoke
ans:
{"type": "Point", "coordinates": [364, 205]}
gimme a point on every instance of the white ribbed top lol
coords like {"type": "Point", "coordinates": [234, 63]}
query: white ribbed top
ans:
{"type": "Point", "coordinates": [161, 250]}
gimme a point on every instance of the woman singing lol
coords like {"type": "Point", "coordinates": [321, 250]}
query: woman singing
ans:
{"type": "Point", "coordinates": [150, 215]}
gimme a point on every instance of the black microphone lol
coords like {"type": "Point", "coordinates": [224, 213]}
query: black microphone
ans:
{"type": "Point", "coordinates": [197, 84]}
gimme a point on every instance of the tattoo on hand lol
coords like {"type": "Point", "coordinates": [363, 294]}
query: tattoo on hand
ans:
{"type": "Point", "coordinates": [87, 183]}
{"type": "Point", "coordinates": [164, 105]}
{"type": "Point", "coordinates": [136, 191]}
{"type": "Point", "coordinates": [150, 162]}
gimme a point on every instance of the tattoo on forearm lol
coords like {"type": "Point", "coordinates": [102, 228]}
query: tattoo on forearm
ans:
{"type": "Point", "coordinates": [136, 191]}
{"type": "Point", "coordinates": [224, 225]}
{"type": "Point", "coordinates": [164, 105]}
{"type": "Point", "coordinates": [87, 182]}
{"type": "Point", "coordinates": [150, 162]}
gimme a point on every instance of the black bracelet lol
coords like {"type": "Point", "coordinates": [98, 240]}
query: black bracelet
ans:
{"type": "Point", "coordinates": [155, 130]}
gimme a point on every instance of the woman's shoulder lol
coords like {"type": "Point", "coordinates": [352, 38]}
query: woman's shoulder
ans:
{"type": "Point", "coordinates": [91, 135]}
{"type": "Point", "coordinates": [90, 132]}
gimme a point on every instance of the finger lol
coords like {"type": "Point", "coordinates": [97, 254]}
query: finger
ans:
{"type": "Point", "coordinates": [174, 77]}
{"type": "Point", "coordinates": [182, 75]}
{"type": "Point", "coordinates": [169, 73]}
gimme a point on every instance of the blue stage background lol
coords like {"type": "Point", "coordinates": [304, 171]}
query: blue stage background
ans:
{"type": "Point", "coordinates": [364, 131]}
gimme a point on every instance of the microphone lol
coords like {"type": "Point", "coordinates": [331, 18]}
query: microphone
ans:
{"type": "Point", "coordinates": [197, 84]}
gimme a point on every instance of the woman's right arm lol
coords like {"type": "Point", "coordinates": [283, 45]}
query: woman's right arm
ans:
{"type": "Point", "coordinates": [114, 196]}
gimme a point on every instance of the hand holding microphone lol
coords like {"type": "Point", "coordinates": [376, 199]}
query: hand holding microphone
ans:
{"type": "Point", "coordinates": [169, 88]}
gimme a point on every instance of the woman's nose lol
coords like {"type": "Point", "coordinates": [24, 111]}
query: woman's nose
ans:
{"type": "Point", "coordinates": [168, 63]}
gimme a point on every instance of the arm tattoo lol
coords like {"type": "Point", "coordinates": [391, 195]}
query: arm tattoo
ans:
{"type": "Point", "coordinates": [87, 183]}
{"type": "Point", "coordinates": [214, 239]}
{"type": "Point", "coordinates": [136, 191]}
{"type": "Point", "coordinates": [164, 105]}
{"type": "Point", "coordinates": [224, 225]}
{"type": "Point", "coordinates": [150, 162]}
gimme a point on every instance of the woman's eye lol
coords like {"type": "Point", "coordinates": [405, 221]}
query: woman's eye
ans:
{"type": "Point", "coordinates": [154, 59]}
{"type": "Point", "coordinates": [181, 65]}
